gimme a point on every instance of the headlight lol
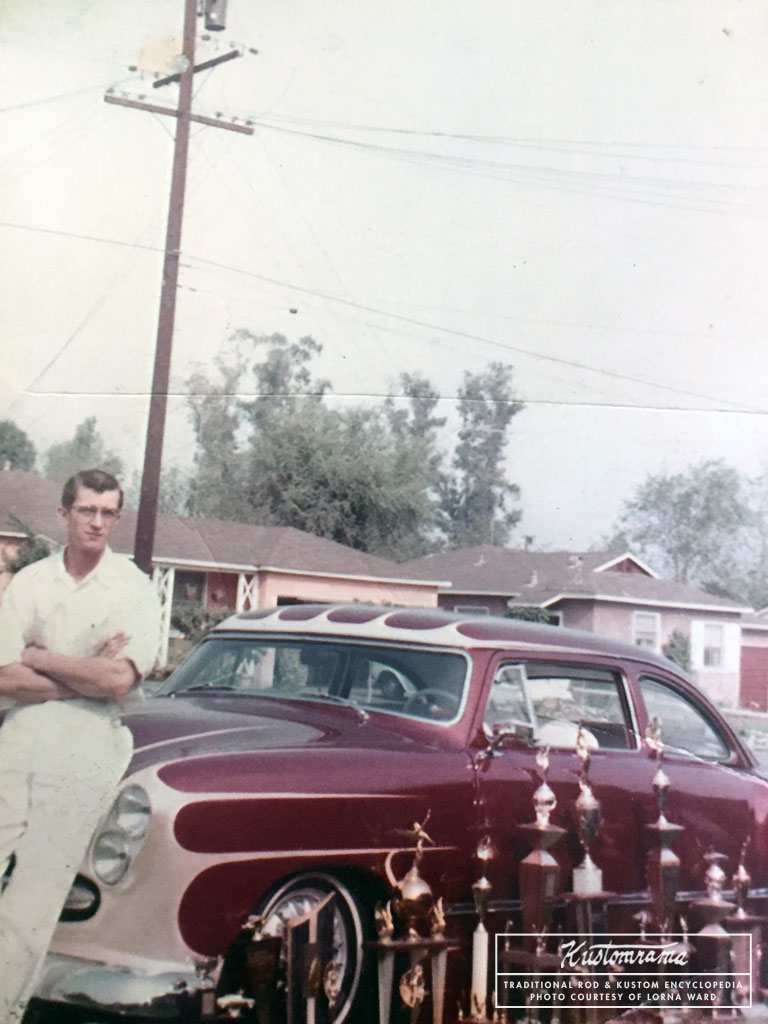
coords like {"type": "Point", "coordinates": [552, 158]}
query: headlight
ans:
{"type": "Point", "coordinates": [111, 857]}
{"type": "Point", "coordinates": [83, 900]}
{"type": "Point", "coordinates": [120, 840]}
{"type": "Point", "coordinates": [131, 812]}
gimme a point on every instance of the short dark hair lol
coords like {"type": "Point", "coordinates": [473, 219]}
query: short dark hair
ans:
{"type": "Point", "coordinates": [95, 480]}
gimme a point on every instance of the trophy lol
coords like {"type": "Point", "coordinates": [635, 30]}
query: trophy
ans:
{"type": "Point", "coordinates": [712, 941]}
{"type": "Point", "coordinates": [539, 871]}
{"type": "Point", "coordinates": [481, 891]}
{"type": "Point", "coordinates": [587, 877]}
{"type": "Point", "coordinates": [663, 863]}
{"type": "Point", "coordinates": [539, 874]}
{"type": "Point", "coordinates": [746, 935]}
{"type": "Point", "coordinates": [586, 902]}
{"type": "Point", "coordinates": [255, 959]}
{"type": "Point", "coordinates": [411, 922]}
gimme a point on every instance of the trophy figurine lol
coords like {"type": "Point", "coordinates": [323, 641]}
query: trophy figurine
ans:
{"type": "Point", "coordinates": [413, 902]}
{"type": "Point", "coordinates": [587, 877]}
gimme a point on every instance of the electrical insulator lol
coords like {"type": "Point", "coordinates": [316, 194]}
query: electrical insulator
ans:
{"type": "Point", "coordinates": [215, 15]}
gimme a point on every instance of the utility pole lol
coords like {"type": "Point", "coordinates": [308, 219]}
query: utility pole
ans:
{"type": "Point", "coordinates": [153, 452]}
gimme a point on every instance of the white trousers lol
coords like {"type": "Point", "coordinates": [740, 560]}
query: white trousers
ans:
{"type": "Point", "coordinates": [60, 763]}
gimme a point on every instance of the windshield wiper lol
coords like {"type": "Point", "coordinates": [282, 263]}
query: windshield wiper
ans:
{"type": "Point", "coordinates": [206, 686]}
{"type": "Point", "coordinates": [361, 713]}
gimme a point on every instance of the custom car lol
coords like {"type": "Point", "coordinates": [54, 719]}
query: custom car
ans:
{"type": "Point", "coordinates": [304, 758]}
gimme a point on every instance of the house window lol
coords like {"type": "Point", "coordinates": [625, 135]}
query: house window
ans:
{"type": "Point", "coordinates": [645, 629]}
{"type": "Point", "coordinates": [714, 645]}
{"type": "Point", "coordinates": [188, 587]}
{"type": "Point", "coordinates": [471, 609]}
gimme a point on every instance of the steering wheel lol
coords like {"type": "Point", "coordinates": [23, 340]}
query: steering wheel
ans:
{"type": "Point", "coordinates": [430, 703]}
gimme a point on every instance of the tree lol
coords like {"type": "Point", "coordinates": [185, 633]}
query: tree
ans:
{"type": "Point", "coordinates": [476, 495]}
{"type": "Point", "coordinates": [283, 380]}
{"type": "Point", "coordinates": [284, 457]}
{"type": "Point", "coordinates": [369, 476]}
{"type": "Point", "coordinates": [86, 450]}
{"type": "Point", "coordinates": [748, 579]}
{"type": "Point", "coordinates": [678, 649]}
{"type": "Point", "coordinates": [690, 524]}
{"type": "Point", "coordinates": [32, 549]}
{"type": "Point", "coordinates": [217, 483]}
{"type": "Point", "coordinates": [16, 449]}
{"type": "Point", "coordinates": [175, 486]}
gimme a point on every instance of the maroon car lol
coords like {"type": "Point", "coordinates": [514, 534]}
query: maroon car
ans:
{"type": "Point", "coordinates": [296, 747]}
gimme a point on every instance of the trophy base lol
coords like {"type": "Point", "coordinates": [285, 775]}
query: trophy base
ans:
{"type": "Point", "coordinates": [587, 880]}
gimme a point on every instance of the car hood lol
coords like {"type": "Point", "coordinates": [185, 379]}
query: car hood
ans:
{"type": "Point", "coordinates": [223, 728]}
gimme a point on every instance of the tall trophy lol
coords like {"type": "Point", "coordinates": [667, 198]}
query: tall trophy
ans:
{"type": "Point", "coordinates": [539, 875]}
{"type": "Point", "coordinates": [746, 932]}
{"type": "Point", "coordinates": [663, 862]}
{"type": "Point", "coordinates": [712, 941]}
{"type": "Point", "coordinates": [481, 891]}
{"type": "Point", "coordinates": [539, 871]}
{"type": "Point", "coordinates": [587, 900]}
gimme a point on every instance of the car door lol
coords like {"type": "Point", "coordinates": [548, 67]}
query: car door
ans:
{"type": "Point", "coordinates": [553, 698]}
{"type": "Point", "coordinates": [711, 793]}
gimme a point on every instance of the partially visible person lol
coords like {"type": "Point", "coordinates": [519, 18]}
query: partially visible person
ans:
{"type": "Point", "coordinates": [78, 631]}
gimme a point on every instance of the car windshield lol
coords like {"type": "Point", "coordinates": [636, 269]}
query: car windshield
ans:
{"type": "Point", "coordinates": [418, 682]}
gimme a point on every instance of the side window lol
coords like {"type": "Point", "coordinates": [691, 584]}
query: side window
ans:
{"type": "Point", "coordinates": [556, 699]}
{"type": "Point", "coordinates": [686, 727]}
{"type": "Point", "coordinates": [509, 703]}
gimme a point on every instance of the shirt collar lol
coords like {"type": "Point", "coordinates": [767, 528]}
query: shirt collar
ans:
{"type": "Point", "coordinates": [99, 574]}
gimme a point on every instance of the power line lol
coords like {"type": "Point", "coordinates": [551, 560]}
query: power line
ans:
{"type": "Point", "coordinates": [413, 321]}
{"type": "Point", "coordinates": [57, 97]}
{"type": "Point", "coordinates": [663, 192]}
{"type": "Point", "coordinates": [469, 336]}
{"type": "Point", "coordinates": [586, 146]}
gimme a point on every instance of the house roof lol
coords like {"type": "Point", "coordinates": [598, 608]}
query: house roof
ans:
{"type": "Point", "coordinates": [198, 543]}
{"type": "Point", "coordinates": [543, 578]}
{"type": "Point", "coordinates": [28, 500]}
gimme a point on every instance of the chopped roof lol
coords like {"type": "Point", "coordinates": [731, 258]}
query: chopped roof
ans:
{"type": "Point", "coordinates": [430, 626]}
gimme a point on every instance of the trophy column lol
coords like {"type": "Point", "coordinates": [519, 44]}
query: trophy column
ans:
{"type": "Point", "coordinates": [712, 942]}
{"type": "Point", "coordinates": [746, 932]}
{"type": "Point", "coordinates": [539, 875]}
{"type": "Point", "coordinates": [663, 862]}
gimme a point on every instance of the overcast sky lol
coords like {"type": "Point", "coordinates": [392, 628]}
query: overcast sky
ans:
{"type": "Point", "coordinates": [576, 188]}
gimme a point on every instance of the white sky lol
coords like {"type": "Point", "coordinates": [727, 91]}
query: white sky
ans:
{"type": "Point", "coordinates": [576, 188]}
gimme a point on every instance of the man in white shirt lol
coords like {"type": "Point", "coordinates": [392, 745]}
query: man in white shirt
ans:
{"type": "Point", "coordinates": [78, 630]}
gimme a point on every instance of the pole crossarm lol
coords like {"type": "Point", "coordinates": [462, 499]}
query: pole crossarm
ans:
{"type": "Point", "coordinates": [212, 63]}
{"type": "Point", "coordinates": [155, 108]}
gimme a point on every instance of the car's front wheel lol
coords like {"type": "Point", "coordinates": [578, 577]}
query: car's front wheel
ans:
{"type": "Point", "coordinates": [338, 930]}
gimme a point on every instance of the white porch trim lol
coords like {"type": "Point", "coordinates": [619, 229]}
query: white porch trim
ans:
{"type": "Point", "coordinates": [163, 576]}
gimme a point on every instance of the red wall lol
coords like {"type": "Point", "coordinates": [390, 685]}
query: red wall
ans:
{"type": "Point", "coordinates": [753, 689]}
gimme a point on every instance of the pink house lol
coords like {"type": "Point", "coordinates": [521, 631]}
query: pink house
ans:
{"type": "Point", "coordinates": [618, 597]}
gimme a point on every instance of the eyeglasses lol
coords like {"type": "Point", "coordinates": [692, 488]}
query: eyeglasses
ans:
{"type": "Point", "coordinates": [89, 513]}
